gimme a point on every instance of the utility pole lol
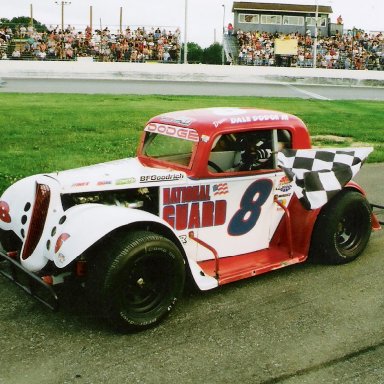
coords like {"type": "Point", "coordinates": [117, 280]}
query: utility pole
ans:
{"type": "Point", "coordinates": [31, 8]}
{"type": "Point", "coordinates": [316, 32]}
{"type": "Point", "coordinates": [185, 32]}
{"type": "Point", "coordinates": [121, 21]}
{"type": "Point", "coordinates": [223, 49]}
{"type": "Point", "coordinates": [90, 18]}
{"type": "Point", "coordinates": [63, 3]}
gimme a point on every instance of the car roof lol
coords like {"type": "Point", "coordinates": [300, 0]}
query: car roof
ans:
{"type": "Point", "coordinates": [208, 121]}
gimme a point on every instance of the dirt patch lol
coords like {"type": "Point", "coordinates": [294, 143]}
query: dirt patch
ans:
{"type": "Point", "coordinates": [319, 141]}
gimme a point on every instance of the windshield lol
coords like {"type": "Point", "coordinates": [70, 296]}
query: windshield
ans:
{"type": "Point", "coordinates": [170, 144]}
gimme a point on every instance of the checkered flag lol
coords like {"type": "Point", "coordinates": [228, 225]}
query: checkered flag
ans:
{"type": "Point", "coordinates": [319, 174]}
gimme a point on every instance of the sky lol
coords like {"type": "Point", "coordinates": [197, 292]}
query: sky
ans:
{"type": "Point", "coordinates": [205, 18]}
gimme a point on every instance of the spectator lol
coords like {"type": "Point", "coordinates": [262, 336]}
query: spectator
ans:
{"type": "Point", "coordinates": [230, 29]}
{"type": "Point", "coordinates": [23, 31]}
{"type": "Point", "coordinates": [16, 54]}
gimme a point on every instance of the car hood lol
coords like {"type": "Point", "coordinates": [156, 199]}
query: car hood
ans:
{"type": "Point", "coordinates": [118, 174]}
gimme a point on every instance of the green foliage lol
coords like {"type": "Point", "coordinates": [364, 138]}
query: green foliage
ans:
{"type": "Point", "coordinates": [210, 55]}
{"type": "Point", "coordinates": [194, 53]}
{"type": "Point", "coordinates": [46, 133]}
{"type": "Point", "coordinates": [17, 22]}
{"type": "Point", "coordinates": [213, 54]}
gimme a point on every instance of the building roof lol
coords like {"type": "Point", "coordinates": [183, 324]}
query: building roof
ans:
{"type": "Point", "coordinates": [248, 6]}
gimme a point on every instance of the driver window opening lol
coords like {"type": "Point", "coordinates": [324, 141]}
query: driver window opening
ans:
{"type": "Point", "coordinates": [248, 151]}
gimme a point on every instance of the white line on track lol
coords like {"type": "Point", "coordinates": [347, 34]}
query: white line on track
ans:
{"type": "Point", "coordinates": [310, 94]}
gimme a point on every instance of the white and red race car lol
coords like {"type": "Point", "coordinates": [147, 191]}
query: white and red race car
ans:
{"type": "Point", "coordinates": [219, 194]}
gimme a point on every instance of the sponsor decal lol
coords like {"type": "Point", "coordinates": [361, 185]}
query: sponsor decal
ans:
{"type": "Point", "coordinates": [128, 180]}
{"type": "Point", "coordinates": [182, 120]}
{"type": "Point", "coordinates": [172, 131]}
{"type": "Point", "coordinates": [283, 195]}
{"type": "Point", "coordinates": [192, 207]}
{"type": "Point", "coordinates": [183, 239]}
{"type": "Point", "coordinates": [282, 202]}
{"type": "Point", "coordinates": [254, 118]}
{"type": "Point", "coordinates": [106, 182]}
{"type": "Point", "coordinates": [219, 122]}
{"type": "Point", "coordinates": [284, 185]}
{"type": "Point", "coordinates": [220, 189]}
{"type": "Point", "coordinates": [4, 212]}
{"type": "Point", "coordinates": [80, 184]}
{"type": "Point", "coordinates": [153, 178]}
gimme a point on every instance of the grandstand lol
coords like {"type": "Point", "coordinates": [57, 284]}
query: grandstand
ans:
{"type": "Point", "coordinates": [138, 44]}
{"type": "Point", "coordinates": [256, 32]}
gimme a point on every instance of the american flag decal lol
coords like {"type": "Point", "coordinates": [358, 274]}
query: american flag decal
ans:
{"type": "Point", "coordinates": [220, 189]}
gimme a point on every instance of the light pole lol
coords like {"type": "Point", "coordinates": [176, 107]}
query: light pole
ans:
{"type": "Point", "coordinates": [315, 43]}
{"type": "Point", "coordinates": [31, 9]}
{"type": "Point", "coordinates": [62, 3]}
{"type": "Point", "coordinates": [223, 50]}
{"type": "Point", "coordinates": [121, 21]}
{"type": "Point", "coordinates": [91, 18]}
{"type": "Point", "coordinates": [185, 31]}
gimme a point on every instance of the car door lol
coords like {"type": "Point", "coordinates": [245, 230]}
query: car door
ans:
{"type": "Point", "coordinates": [243, 198]}
{"type": "Point", "coordinates": [245, 205]}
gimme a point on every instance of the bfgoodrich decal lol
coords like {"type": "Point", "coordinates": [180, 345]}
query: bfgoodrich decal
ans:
{"type": "Point", "coordinates": [152, 178]}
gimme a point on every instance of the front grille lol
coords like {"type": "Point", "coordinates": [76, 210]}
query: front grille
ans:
{"type": "Point", "coordinates": [39, 215]}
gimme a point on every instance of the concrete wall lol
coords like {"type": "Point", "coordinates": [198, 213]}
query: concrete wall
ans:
{"type": "Point", "coordinates": [87, 69]}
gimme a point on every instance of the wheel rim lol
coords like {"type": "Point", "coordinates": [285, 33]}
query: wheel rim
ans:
{"type": "Point", "coordinates": [147, 285]}
{"type": "Point", "coordinates": [350, 231]}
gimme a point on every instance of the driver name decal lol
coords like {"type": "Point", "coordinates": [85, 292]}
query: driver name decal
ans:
{"type": "Point", "coordinates": [269, 117]}
{"type": "Point", "coordinates": [192, 207]}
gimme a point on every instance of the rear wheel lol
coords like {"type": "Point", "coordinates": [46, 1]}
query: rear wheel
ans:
{"type": "Point", "coordinates": [342, 229]}
{"type": "Point", "coordinates": [139, 280]}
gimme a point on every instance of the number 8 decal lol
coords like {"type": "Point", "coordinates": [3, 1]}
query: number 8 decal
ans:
{"type": "Point", "coordinates": [250, 207]}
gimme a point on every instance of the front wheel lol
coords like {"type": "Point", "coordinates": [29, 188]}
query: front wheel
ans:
{"type": "Point", "coordinates": [140, 280]}
{"type": "Point", "coordinates": [342, 229]}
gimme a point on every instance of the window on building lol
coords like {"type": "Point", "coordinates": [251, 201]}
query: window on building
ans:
{"type": "Point", "coordinates": [293, 20]}
{"type": "Point", "coordinates": [248, 18]}
{"type": "Point", "coordinates": [271, 19]}
{"type": "Point", "coordinates": [311, 21]}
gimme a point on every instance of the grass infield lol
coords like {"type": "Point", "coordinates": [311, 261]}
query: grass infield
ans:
{"type": "Point", "coordinates": [51, 132]}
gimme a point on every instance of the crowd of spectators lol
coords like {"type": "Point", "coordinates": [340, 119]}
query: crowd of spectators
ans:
{"type": "Point", "coordinates": [356, 50]}
{"type": "Point", "coordinates": [343, 51]}
{"type": "Point", "coordinates": [132, 45]}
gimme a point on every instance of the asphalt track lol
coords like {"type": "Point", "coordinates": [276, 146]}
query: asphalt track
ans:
{"type": "Point", "coordinates": [145, 87]}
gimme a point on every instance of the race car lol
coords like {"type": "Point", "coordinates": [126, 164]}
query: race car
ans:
{"type": "Point", "coordinates": [214, 195]}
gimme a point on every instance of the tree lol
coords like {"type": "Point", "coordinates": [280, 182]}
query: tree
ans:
{"type": "Point", "coordinates": [16, 22]}
{"type": "Point", "coordinates": [213, 54]}
{"type": "Point", "coordinates": [194, 53]}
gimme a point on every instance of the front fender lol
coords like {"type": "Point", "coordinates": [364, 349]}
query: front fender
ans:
{"type": "Point", "coordinates": [85, 224]}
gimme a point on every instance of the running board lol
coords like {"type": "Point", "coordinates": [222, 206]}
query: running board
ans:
{"type": "Point", "coordinates": [232, 268]}
{"type": "Point", "coordinates": [28, 282]}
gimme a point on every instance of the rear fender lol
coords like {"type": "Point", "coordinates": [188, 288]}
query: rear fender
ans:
{"type": "Point", "coordinates": [376, 225]}
{"type": "Point", "coordinates": [85, 224]}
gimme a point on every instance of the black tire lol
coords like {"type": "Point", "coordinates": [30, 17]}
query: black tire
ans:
{"type": "Point", "coordinates": [342, 229]}
{"type": "Point", "coordinates": [138, 281]}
